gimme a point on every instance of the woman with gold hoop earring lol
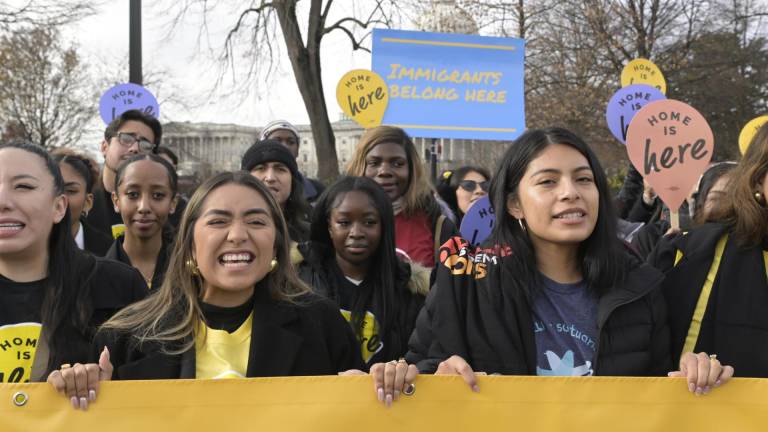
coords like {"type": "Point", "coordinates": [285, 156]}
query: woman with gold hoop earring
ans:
{"type": "Point", "coordinates": [716, 275]}
{"type": "Point", "coordinates": [227, 307]}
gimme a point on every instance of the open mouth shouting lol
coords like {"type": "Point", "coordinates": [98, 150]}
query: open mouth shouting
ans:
{"type": "Point", "coordinates": [236, 259]}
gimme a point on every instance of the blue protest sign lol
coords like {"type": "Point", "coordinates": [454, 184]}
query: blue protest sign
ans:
{"type": "Point", "coordinates": [124, 97]}
{"type": "Point", "coordinates": [450, 85]}
{"type": "Point", "coordinates": [477, 224]}
{"type": "Point", "coordinates": [625, 103]}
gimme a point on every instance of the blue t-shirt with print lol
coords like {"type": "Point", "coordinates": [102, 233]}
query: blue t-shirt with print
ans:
{"type": "Point", "coordinates": [565, 326]}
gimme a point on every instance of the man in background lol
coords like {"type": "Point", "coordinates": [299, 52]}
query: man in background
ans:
{"type": "Point", "coordinates": [288, 135]}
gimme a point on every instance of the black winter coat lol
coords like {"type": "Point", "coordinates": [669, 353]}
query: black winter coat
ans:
{"type": "Point", "coordinates": [309, 338]}
{"type": "Point", "coordinates": [320, 271]}
{"type": "Point", "coordinates": [735, 322]}
{"type": "Point", "coordinates": [479, 312]}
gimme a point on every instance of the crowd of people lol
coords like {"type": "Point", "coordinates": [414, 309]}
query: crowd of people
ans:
{"type": "Point", "coordinates": [265, 272]}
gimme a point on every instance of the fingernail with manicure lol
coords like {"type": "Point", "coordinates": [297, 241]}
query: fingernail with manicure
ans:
{"type": "Point", "coordinates": [83, 403]}
{"type": "Point", "coordinates": [380, 394]}
{"type": "Point", "coordinates": [389, 400]}
{"type": "Point", "coordinates": [75, 402]}
{"type": "Point", "coordinates": [707, 389]}
{"type": "Point", "coordinates": [475, 388]}
{"type": "Point", "coordinates": [397, 394]}
{"type": "Point", "coordinates": [691, 387]}
{"type": "Point", "coordinates": [91, 395]}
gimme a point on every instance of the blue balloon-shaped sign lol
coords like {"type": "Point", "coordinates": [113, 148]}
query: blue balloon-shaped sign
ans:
{"type": "Point", "coordinates": [124, 97]}
{"type": "Point", "coordinates": [477, 224]}
{"type": "Point", "coordinates": [625, 103]}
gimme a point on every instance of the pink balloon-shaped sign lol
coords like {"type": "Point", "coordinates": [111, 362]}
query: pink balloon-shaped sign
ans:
{"type": "Point", "coordinates": [670, 144]}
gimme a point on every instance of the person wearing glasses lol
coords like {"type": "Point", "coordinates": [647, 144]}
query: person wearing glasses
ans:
{"type": "Point", "coordinates": [462, 187]}
{"type": "Point", "coordinates": [131, 133]}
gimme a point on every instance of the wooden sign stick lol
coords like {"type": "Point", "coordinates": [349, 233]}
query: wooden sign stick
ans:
{"type": "Point", "coordinates": [674, 219]}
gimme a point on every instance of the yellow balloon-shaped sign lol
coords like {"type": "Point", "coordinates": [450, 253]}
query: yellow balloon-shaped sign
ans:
{"type": "Point", "coordinates": [643, 71]}
{"type": "Point", "coordinates": [749, 131]}
{"type": "Point", "coordinates": [363, 96]}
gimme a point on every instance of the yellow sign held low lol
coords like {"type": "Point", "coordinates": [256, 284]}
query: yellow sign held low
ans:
{"type": "Point", "coordinates": [363, 96]}
{"type": "Point", "coordinates": [441, 403]}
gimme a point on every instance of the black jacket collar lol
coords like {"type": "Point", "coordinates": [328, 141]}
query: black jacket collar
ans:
{"type": "Point", "coordinates": [274, 347]}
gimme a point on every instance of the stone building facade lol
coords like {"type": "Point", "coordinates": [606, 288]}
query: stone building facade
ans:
{"type": "Point", "coordinates": [208, 148]}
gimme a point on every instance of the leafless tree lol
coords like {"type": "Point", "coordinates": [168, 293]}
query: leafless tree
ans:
{"type": "Point", "coordinates": [256, 31]}
{"type": "Point", "coordinates": [39, 12]}
{"type": "Point", "coordinates": [44, 94]}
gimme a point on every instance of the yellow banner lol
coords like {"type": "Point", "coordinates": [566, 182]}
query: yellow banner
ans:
{"type": "Point", "coordinates": [439, 404]}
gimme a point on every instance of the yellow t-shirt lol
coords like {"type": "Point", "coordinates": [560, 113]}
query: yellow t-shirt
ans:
{"type": "Point", "coordinates": [223, 355]}
{"type": "Point", "coordinates": [18, 343]}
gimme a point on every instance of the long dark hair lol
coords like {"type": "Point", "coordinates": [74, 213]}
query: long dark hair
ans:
{"type": "Point", "coordinates": [66, 298]}
{"type": "Point", "coordinates": [173, 178]}
{"type": "Point", "coordinates": [602, 261]}
{"type": "Point", "coordinates": [381, 282]}
{"type": "Point", "coordinates": [295, 211]}
{"type": "Point", "coordinates": [449, 182]}
{"type": "Point", "coordinates": [714, 173]}
{"type": "Point", "coordinates": [171, 316]}
{"type": "Point", "coordinates": [83, 165]}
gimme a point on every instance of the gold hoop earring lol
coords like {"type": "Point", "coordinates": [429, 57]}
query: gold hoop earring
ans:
{"type": "Point", "coordinates": [192, 267]}
{"type": "Point", "coordinates": [522, 226]}
{"type": "Point", "coordinates": [273, 265]}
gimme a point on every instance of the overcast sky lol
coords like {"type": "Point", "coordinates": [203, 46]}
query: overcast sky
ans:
{"type": "Point", "coordinates": [189, 67]}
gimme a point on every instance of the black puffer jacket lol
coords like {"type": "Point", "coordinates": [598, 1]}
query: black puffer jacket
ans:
{"type": "Point", "coordinates": [735, 324]}
{"type": "Point", "coordinates": [318, 269]}
{"type": "Point", "coordinates": [479, 312]}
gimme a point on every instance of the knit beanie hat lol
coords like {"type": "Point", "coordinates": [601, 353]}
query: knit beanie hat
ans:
{"type": "Point", "coordinates": [277, 125]}
{"type": "Point", "coordinates": [269, 151]}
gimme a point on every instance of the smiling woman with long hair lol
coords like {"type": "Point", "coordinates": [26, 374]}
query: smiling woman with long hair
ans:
{"type": "Point", "coordinates": [231, 304]}
{"type": "Point", "coordinates": [553, 291]}
{"type": "Point", "coordinates": [387, 155]}
{"type": "Point", "coordinates": [53, 295]}
{"type": "Point", "coordinates": [351, 259]}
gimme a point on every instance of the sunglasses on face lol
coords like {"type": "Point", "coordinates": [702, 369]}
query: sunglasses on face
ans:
{"type": "Point", "coordinates": [471, 185]}
{"type": "Point", "coordinates": [127, 139]}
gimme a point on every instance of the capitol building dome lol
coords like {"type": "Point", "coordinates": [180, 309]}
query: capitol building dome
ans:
{"type": "Point", "coordinates": [445, 16]}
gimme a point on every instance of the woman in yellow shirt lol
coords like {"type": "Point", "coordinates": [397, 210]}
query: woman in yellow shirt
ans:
{"type": "Point", "coordinates": [229, 306]}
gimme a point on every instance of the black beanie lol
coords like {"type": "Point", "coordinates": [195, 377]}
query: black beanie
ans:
{"type": "Point", "coordinates": [269, 151]}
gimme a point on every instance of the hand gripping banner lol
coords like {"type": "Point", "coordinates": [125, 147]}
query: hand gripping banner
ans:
{"type": "Point", "coordinates": [349, 403]}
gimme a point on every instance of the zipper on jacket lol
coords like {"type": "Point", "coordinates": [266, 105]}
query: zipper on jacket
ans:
{"type": "Point", "coordinates": [607, 317]}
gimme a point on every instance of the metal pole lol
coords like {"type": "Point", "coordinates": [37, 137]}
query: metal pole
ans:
{"type": "Point", "coordinates": [433, 160]}
{"type": "Point", "coordinates": [134, 50]}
